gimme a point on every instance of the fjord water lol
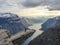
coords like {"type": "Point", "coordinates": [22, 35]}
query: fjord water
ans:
{"type": "Point", "coordinates": [37, 33]}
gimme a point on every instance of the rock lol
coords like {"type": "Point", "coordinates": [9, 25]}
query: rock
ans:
{"type": "Point", "coordinates": [23, 37]}
{"type": "Point", "coordinates": [4, 37]}
{"type": "Point", "coordinates": [49, 37]}
{"type": "Point", "coordinates": [51, 23]}
{"type": "Point", "coordinates": [12, 22]}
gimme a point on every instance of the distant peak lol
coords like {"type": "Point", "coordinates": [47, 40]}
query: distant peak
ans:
{"type": "Point", "coordinates": [7, 15]}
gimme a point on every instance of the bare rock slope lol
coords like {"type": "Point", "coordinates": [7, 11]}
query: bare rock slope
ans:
{"type": "Point", "coordinates": [49, 37]}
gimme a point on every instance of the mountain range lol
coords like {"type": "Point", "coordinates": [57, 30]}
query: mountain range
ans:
{"type": "Point", "coordinates": [51, 22]}
{"type": "Point", "coordinates": [13, 23]}
{"type": "Point", "coordinates": [49, 37]}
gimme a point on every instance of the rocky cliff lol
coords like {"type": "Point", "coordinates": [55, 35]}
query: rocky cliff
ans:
{"type": "Point", "coordinates": [51, 22]}
{"type": "Point", "coordinates": [49, 37]}
{"type": "Point", "coordinates": [12, 22]}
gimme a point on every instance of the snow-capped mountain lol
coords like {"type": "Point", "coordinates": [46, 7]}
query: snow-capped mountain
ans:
{"type": "Point", "coordinates": [51, 23]}
{"type": "Point", "coordinates": [12, 22]}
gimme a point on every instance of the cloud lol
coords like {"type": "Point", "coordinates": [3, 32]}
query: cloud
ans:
{"type": "Point", "coordinates": [33, 3]}
{"type": "Point", "coordinates": [10, 6]}
{"type": "Point", "coordinates": [38, 11]}
{"type": "Point", "coordinates": [53, 4]}
{"type": "Point", "coordinates": [17, 5]}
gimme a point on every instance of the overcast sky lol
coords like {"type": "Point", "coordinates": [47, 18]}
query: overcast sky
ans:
{"type": "Point", "coordinates": [30, 6]}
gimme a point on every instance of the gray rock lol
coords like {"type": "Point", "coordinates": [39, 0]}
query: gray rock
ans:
{"type": "Point", "coordinates": [49, 37]}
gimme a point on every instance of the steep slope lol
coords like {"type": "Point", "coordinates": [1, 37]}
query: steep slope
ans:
{"type": "Point", "coordinates": [12, 22]}
{"type": "Point", "coordinates": [49, 37]}
{"type": "Point", "coordinates": [51, 23]}
{"type": "Point", "coordinates": [26, 22]}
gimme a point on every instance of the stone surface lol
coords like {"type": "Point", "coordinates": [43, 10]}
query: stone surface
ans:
{"type": "Point", "coordinates": [23, 37]}
{"type": "Point", "coordinates": [13, 23]}
{"type": "Point", "coordinates": [49, 37]}
{"type": "Point", "coordinates": [51, 22]}
{"type": "Point", "coordinates": [4, 38]}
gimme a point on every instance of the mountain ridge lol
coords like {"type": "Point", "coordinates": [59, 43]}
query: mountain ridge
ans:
{"type": "Point", "coordinates": [12, 22]}
{"type": "Point", "coordinates": [51, 22]}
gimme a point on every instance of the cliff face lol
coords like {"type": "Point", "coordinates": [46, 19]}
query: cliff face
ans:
{"type": "Point", "coordinates": [51, 23]}
{"type": "Point", "coordinates": [12, 22]}
{"type": "Point", "coordinates": [49, 37]}
{"type": "Point", "coordinates": [4, 37]}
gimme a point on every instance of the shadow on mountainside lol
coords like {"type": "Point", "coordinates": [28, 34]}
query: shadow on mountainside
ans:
{"type": "Point", "coordinates": [50, 37]}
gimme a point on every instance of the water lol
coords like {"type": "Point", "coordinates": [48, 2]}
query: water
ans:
{"type": "Point", "coordinates": [37, 33]}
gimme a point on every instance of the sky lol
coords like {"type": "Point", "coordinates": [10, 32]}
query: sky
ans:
{"type": "Point", "coordinates": [31, 7]}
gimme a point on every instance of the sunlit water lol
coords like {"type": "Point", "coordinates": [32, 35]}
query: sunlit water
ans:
{"type": "Point", "coordinates": [37, 33]}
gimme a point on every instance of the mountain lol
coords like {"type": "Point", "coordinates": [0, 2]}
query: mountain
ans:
{"type": "Point", "coordinates": [51, 23]}
{"type": "Point", "coordinates": [49, 37]}
{"type": "Point", "coordinates": [26, 21]}
{"type": "Point", "coordinates": [38, 19]}
{"type": "Point", "coordinates": [12, 22]}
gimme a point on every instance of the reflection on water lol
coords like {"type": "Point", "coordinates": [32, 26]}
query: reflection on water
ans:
{"type": "Point", "coordinates": [38, 32]}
